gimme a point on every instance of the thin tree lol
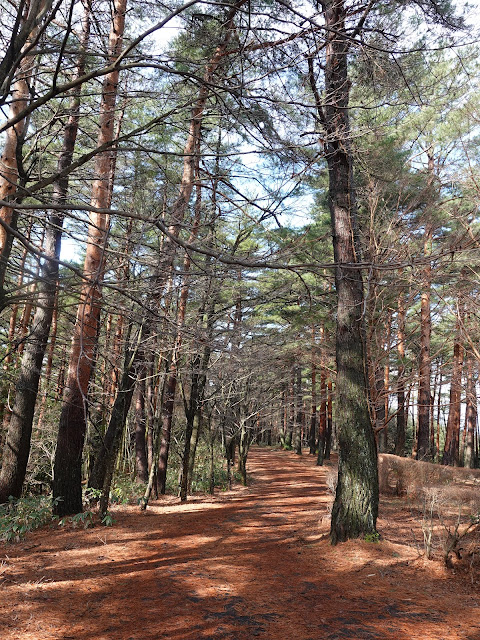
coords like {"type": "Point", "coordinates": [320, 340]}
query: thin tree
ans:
{"type": "Point", "coordinates": [400, 434]}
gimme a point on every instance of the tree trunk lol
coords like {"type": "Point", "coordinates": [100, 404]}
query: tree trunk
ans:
{"type": "Point", "coordinates": [150, 398]}
{"type": "Point", "coordinates": [289, 436]}
{"type": "Point", "coordinates": [30, 19]}
{"type": "Point", "coordinates": [197, 394]}
{"type": "Point", "coordinates": [328, 438]}
{"type": "Point", "coordinates": [400, 435]}
{"type": "Point", "coordinates": [67, 485]}
{"type": "Point", "coordinates": [312, 437]}
{"type": "Point", "coordinates": [105, 459]}
{"type": "Point", "coordinates": [141, 462]}
{"type": "Point", "coordinates": [49, 366]}
{"type": "Point", "coordinates": [386, 379]}
{"type": "Point", "coordinates": [452, 437]}
{"type": "Point", "coordinates": [171, 384]}
{"type": "Point", "coordinates": [191, 412]}
{"type": "Point", "coordinates": [439, 405]}
{"type": "Point", "coordinates": [211, 443]}
{"type": "Point", "coordinates": [322, 427]}
{"type": "Point", "coordinates": [380, 417]}
{"type": "Point", "coordinates": [424, 399]}
{"type": "Point", "coordinates": [17, 449]}
{"type": "Point", "coordinates": [297, 445]}
{"type": "Point", "coordinates": [167, 421]}
{"type": "Point", "coordinates": [432, 413]}
{"type": "Point", "coordinates": [5, 382]}
{"type": "Point", "coordinates": [14, 137]}
{"type": "Point", "coordinates": [470, 415]}
{"type": "Point", "coordinates": [284, 429]}
{"type": "Point", "coordinates": [243, 447]}
{"type": "Point", "coordinates": [355, 508]}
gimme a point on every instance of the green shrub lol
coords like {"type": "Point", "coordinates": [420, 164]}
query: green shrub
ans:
{"type": "Point", "coordinates": [124, 490]}
{"type": "Point", "coordinates": [372, 537]}
{"type": "Point", "coordinates": [19, 517]}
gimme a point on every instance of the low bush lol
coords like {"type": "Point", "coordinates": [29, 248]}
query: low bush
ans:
{"type": "Point", "coordinates": [124, 490]}
{"type": "Point", "coordinates": [19, 517]}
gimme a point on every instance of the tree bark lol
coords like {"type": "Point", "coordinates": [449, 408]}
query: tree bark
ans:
{"type": "Point", "coordinates": [355, 508]}
{"type": "Point", "coordinates": [197, 394]}
{"type": "Point", "coordinates": [297, 445]}
{"type": "Point", "coordinates": [312, 437]}
{"type": "Point", "coordinates": [424, 375]}
{"type": "Point", "coordinates": [31, 18]}
{"type": "Point", "coordinates": [105, 459]}
{"type": "Point", "coordinates": [14, 137]}
{"type": "Point", "coordinates": [328, 438]}
{"type": "Point", "coordinates": [289, 436]}
{"type": "Point", "coordinates": [141, 462]}
{"type": "Point", "coordinates": [169, 403]}
{"type": "Point", "coordinates": [400, 435]}
{"type": "Point", "coordinates": [150, 412]}
{"type": "Point", "coordinates": [379, 408]}
{"type": "Point", "coordinates": [452, 437]}
{"type": "Point", "coordinates": [17, 447]}
{"type": "Point", "coordinates": [243, 447]}
{"type": "Point", "coordinates": [322, 427]}
{"type": "Point", "coordinates": [67, 485]}
{"type": "Point", "coordinates": [470, 415]}
{"type": "Point", "coordinates": [386, 379]}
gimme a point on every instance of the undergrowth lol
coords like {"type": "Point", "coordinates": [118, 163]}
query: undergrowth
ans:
{"type": "Point", "coordinates": [125, 490]}
{"type": "Point", "coordinates": [19, 517]}
{"type": "Point", "coordinates": [200, 482]}
{"type": "Point", "coordinates": [23, 515]}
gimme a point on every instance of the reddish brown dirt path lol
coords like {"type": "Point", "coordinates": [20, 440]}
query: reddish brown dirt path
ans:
{"type": "Point", "coordinates": [252, 563]}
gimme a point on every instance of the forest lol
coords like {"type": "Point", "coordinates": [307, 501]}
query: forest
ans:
{"type": "Point", "coordinates": [226, 224]}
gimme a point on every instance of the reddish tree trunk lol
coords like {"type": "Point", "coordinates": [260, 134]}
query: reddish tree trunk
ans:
{"type": "Point", "coordinates": [17, 448]}
{"type": "Point", "coordinates": [452, 438]}
{"type": "Point", "coordinates": [31, 25]}
{"type": "Point", "coordinates": [312, 439]}
{"type": "Point", "coordinates": [71, 433]}
{"type": "Point", "coordinates": [297, 445]}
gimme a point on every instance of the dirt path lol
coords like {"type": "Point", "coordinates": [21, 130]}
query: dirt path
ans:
{"type": "Point", "coordinates": [254, 563]}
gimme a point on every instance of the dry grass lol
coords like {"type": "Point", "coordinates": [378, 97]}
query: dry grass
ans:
{"type": "Point", "coordinates": [446, 500]}
{"type": "Point", "coordinates": [404, 476]}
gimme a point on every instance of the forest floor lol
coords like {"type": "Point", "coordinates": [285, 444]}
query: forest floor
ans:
{"type": "Point", "coordinates": [250, 563]}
